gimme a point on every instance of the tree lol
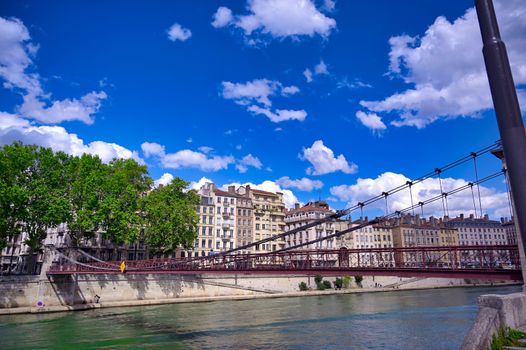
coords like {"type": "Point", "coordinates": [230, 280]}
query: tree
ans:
{"type": "Point", "coordinates": [85, 193]}
{"type": "Point", "coordinates": [346, 281]}
{"type": "Point", "coordinates": [124, 184]}
{"type": "Point", "coordinates": [327, 284]}
{"type": "Point", "coordinates": [338, 283]}
{"type": "Point", "coordinates": [170, 217]}
{"type": "Point", "coordinates": [15, 160]}
{"type": "Point", "coordinates": [358, 280]}
{"type": "Point", "coordinates": [303, 286]}
{"type": "Point", "coordinates": [47, 205]}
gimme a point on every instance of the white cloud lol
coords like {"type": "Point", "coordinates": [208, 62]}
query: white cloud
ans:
{"type": "Point", "coordinates": [289, 90]}
{"type": "Point", "coordinates": [329, 5]}
{"type": "Point", "coordinates": [205, 149]}
{"type": "Point", "coordinates": [190, 159]}
{"type": "Point", "coordinates": [164, 180]}
{"type": "Point", "coordinates": [324, 162]}
{"type": "Point", "coordinates": [371, 121]}
{"type": "Point", "coordinates": [65, 110]}
{"type": "Point", "coordinates": [257, 90]}
{"type": "Point", "coordinates": [152, 149]}
{"type": "Point", "coordinates": [303, 184]}
{"type": "Point", "coordinates": [16, 51]}
{"type": "Point", "coordinates": [187, 158]}
{"type": "Point", "coordinates": [256, 95]}
{"type": "Point", "coordinates": [462, 202]}
{"type": "Point", "coordinates": [14, 128]}
{"type": "Point", "coordinates": [459, 88]}
{"type": "Point", "coordinates": [279, 19]}
{"type": "Point", "coordinates": [308, 75]}
{"type": "Point", "coordinates": [16, 61]}
{"type": "Point", "coordinates": [289, 198]}
{"type": "Point", "coordinates": [197, 185]}
{"type": "Point", "coordinates": [177, 32]}
{"type": "Point", "coordinates": [321, 68]}
{"type": "Point", "coordinates": [248, 161]}
{"type": "Point", "coordinates": [280, 115]}
{"type": "Point", "coordinates": [222, 17]}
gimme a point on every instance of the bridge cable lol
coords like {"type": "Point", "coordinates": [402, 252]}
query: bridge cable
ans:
{"type": "Point", "coordinates": [510, 202]}
{"type": "Point", "coordinates": [381, 219]}
{"type": "Point", "coordinates": [474, 155]}
{"type": "Point", "coordinates": [369, 201]}
{"type": "Point", "coordinates": [410, 184]}
{"type": "Point", "coordinates": [473, 197]}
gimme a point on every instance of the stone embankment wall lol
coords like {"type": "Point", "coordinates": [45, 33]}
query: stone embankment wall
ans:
{"type": "Point", "coordinates": [41, 293]}
{"type": "Point", "coordinates": [496, 311]}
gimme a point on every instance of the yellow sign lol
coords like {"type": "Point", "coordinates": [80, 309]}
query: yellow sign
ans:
{"type": "Point", "coordinates": [123, 267]}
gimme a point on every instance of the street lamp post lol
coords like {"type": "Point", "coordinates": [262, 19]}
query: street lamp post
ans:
{"type": "Point", "coordinates": [507, 109]}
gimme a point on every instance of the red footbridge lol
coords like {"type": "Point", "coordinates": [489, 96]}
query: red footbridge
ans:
{"type": "Point", "coordinates": [499, 262]}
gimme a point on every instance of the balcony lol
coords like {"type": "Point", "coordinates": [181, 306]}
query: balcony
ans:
{"type": "Point", "coordinates": [226, 215]}
{"type": "Point", "coordinates": [226, 204]}
{"type": "Point", "coordinates": [226, 238]}
{"type": "Point", "coordinates": [225, 226]}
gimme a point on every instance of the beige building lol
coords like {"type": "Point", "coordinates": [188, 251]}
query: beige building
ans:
{"type": "Point", "coordinates": [217, 221]}
{"type": "Point", "coordinates": [300, 216]}
{"type": "Point", "coordinates": [245, 220]}
{"type": "Point", "coordinates": [268, 217]}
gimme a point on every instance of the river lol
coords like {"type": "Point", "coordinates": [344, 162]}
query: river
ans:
{"type": "Point", "coordinates": [423, 319]}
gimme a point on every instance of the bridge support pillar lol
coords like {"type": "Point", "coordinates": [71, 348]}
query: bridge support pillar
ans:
{"type": "Point", "coordinates": [507, 108]}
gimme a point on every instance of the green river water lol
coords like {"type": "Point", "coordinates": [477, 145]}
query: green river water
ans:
{"type": "Point", "coordinates": [424, 319]}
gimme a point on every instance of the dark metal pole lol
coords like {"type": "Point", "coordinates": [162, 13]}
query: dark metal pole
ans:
{"type": "Point", "coordinates": [507, 109]}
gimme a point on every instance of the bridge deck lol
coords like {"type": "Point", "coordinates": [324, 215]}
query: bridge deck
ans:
{"type": "Point", "coordinates": [481, 262]}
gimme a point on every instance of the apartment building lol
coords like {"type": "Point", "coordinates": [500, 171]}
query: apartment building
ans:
{"type": "Point", "coordinates": [268, 219]}
{"type": "Point", "coordinates": [245, 220]}
{"type": "Point", "coordinates": [478, 231]}
{"type": "Point", "coordinates": [511, 231]}
{"type": "Point", "coordinates": [346, 240]}
{"type": "Point", "coordinates": [300, 216]}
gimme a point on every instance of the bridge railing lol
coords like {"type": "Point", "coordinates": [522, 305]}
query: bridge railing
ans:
{"type": "Point", "coordinates": [447, 258]}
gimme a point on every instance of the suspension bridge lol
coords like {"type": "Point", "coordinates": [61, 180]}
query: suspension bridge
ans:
{"type": "Point", "coordinates": [500, 262]}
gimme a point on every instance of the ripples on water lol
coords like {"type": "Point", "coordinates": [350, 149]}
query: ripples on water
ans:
{"type": "Point", "coordinates": [425, 319]}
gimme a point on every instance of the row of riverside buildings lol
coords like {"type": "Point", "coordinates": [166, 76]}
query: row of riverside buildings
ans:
{"type": "Point", "coordinates": [236, 217]}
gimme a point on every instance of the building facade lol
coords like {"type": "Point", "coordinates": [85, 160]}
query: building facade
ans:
{"type": "Point", "coordinates": [300, 216]}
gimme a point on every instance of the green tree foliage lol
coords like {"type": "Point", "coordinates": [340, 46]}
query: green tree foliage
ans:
{"type": "Point", "coordinates": [338, 283]}
{"type": "Point", "coordinates": [358, 279]}
{"type": "Point", "coordinates": [170, 217]}
{"type": "Point", "coordinates": [47, 205]}
{"type": "Point", "coordinates": [123, 186]}
{"type": "Point", "coordinates": [15, 160]}
{"type": "Point", "coordinates": [303, 286]}
{"type": "Point", "coordinates": [85, 191]}
{"type": "Point", "coordinates": [346, 281]}
{"type": "Point", "coordinates": [40, 189]}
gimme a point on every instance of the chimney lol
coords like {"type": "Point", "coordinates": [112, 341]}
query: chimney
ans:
{"type": "Point", "coordinates": [486, 217]}
{"type": "Point", "coordinates": [231, 189]}
{"type": "Point", "coordinates": [296, 205]}
{"type": "Point", "coordinates": [471, 216]}
{"type": "Point", "coordinates": [462, 216]}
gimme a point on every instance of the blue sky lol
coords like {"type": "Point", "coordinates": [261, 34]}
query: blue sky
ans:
{"type": "Point", "coordinates": [309, 96]}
